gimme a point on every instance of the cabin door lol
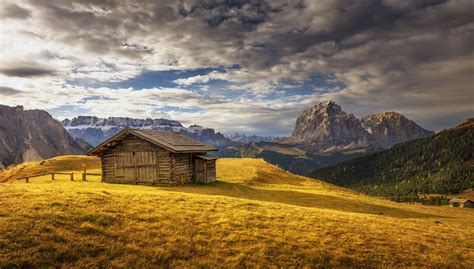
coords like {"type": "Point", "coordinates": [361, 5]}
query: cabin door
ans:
{"type": "Point", "coordinates": [137, 167]}
{"type": "Point", "coordinates": [146, 167]}
{"type": "Point", "coordinates": [125, 166]}
{"type": "Point", "coordinates": [200, 170]}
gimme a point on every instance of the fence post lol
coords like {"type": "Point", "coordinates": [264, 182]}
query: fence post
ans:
{"type": "Point", "coordinates": [52, 176]}
{"type": "Point", "coordinates": [27, 180]}
{"type": "Point", "coordinates": [72, 176]}
{"type": "Point", "coordinates": [85, 172]}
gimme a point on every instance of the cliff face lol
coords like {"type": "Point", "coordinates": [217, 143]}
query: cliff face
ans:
{"type": "Point", "coordinates": [31, 135]}
{"type": "Point", "coordinates": [325, 127]}
{"type": "Point", "coordinates": [390, 128]}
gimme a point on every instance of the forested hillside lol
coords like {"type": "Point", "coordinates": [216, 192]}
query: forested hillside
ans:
{"type": "Point", "coordinates": [442, 163]}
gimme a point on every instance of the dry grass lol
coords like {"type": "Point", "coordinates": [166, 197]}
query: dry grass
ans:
{"type": "Point", "coordinates": [255, 215]}
{"type": "Point", "coordinates": [58, 164]}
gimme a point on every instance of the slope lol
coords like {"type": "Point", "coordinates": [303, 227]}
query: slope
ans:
{"type": "Point", "coordinates": [256, 214]}
{"type": "Point", "coordinates": [442, 163]}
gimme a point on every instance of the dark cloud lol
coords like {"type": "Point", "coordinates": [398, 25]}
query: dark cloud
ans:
{"type": "Point", "coordinates": [8, 91]}
{"type": "Point", "coordinates": [13, 11]}
{"type": "Point", "coordinates": [27, 71]}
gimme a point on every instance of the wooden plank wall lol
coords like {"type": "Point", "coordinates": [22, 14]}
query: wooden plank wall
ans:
{"type": "Point", "coordinates": [108, 167]}
{"type": "Point", "coordinates": [164, 164]}
{"type": "Point", "coordinates": [210, 171]}
{"type": "Point", "coordinates": [146, 156]}
{"type": "Point", "coordinates": [182, 168]}
{"type": "Point", "coordinates": [199, 170]}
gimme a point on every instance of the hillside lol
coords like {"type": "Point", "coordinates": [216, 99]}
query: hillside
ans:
{"type": "Point", "coordinates": [443, 164]}
{"type": "Point", "coordinates": [30, 135]}
{"type": "Point", "coordinates": [255, 215]}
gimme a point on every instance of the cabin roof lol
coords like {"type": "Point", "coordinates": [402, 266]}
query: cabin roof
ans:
{"type": "Point", "coordinates": [172, 141]}
{"type": "Point", "coordinates": [206, 157]}
{"type": "Point", "coordinates": [459, 200]}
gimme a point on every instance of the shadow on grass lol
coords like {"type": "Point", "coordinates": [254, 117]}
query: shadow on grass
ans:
{"type": "Point", "coordinates": [296, 198]}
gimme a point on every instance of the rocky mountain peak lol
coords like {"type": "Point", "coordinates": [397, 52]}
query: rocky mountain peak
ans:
{"type": "Point", "coordinates": [328, 107]}
{"type": "Point", "coordinates": [326, 127]}
{"type": "Point", "coordinates": [389, 128]}
{"type": "Point", "coordinates": [30, 135]}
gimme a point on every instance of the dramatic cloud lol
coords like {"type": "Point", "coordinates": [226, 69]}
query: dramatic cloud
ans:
{"type": "Point", "coordinates": [248, 66]}
{"type": "Point", "coordinates": [7, 91]}
{"type": "Point", "coordinates": [12, 11]}
{"type": "Point", "coordinates": [27, 71]}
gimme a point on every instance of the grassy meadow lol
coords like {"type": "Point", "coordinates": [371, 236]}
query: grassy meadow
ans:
{"type": "Point", "coordinates": [255, 215]}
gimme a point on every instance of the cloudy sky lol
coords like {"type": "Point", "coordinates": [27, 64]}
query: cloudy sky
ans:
{"type": "Point", "coordinates": [239, 66]}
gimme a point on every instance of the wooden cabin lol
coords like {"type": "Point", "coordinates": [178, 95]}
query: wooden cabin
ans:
{"type": "Point", "coordinates": [460, 202]}
{"type": "Point", "coordinates": [135, 156]}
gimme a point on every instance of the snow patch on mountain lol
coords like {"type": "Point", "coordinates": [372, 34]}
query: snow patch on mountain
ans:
{"type": "Point", "coordinates": [94, 130]}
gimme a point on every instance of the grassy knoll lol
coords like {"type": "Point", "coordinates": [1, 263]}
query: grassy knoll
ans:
{"type": "Point", "coordinates": [254, 215]}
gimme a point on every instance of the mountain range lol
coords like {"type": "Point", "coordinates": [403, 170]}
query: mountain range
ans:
{"type": "Point", "coordinates": [323, 135]}
{"type": "Point", "coordinates": [322, 128]}
{"type": "Point", "coordinates": [31, 135]}
{"type": "Point", "coordinates": [327, 128]}
{"type": "Point", "coordinates": [94, 130]}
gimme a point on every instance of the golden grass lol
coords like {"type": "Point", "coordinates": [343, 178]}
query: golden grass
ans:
{"type": "Point", "coordinates": [59, 164]}
{"type": "Point", "coordinates": [255, 215]}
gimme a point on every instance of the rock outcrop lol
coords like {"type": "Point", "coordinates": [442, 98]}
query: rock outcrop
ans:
{"type": "Point", "coordinates": [390, 128]}
{"type": "Point", "coordinates": [326, 127]}
{"type": "Point", "coordinates": [31, 135]}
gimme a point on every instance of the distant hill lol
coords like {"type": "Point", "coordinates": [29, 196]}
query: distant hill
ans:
{"type": "Point", "coordinates": [442, 163]}
{"type": "Point", "coordinates": [242, 138]}
{"type": "Point", "coordinates": [31, 135]}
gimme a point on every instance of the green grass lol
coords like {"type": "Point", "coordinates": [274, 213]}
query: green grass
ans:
{"type": "Point", "coordinates": [255, 215]}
